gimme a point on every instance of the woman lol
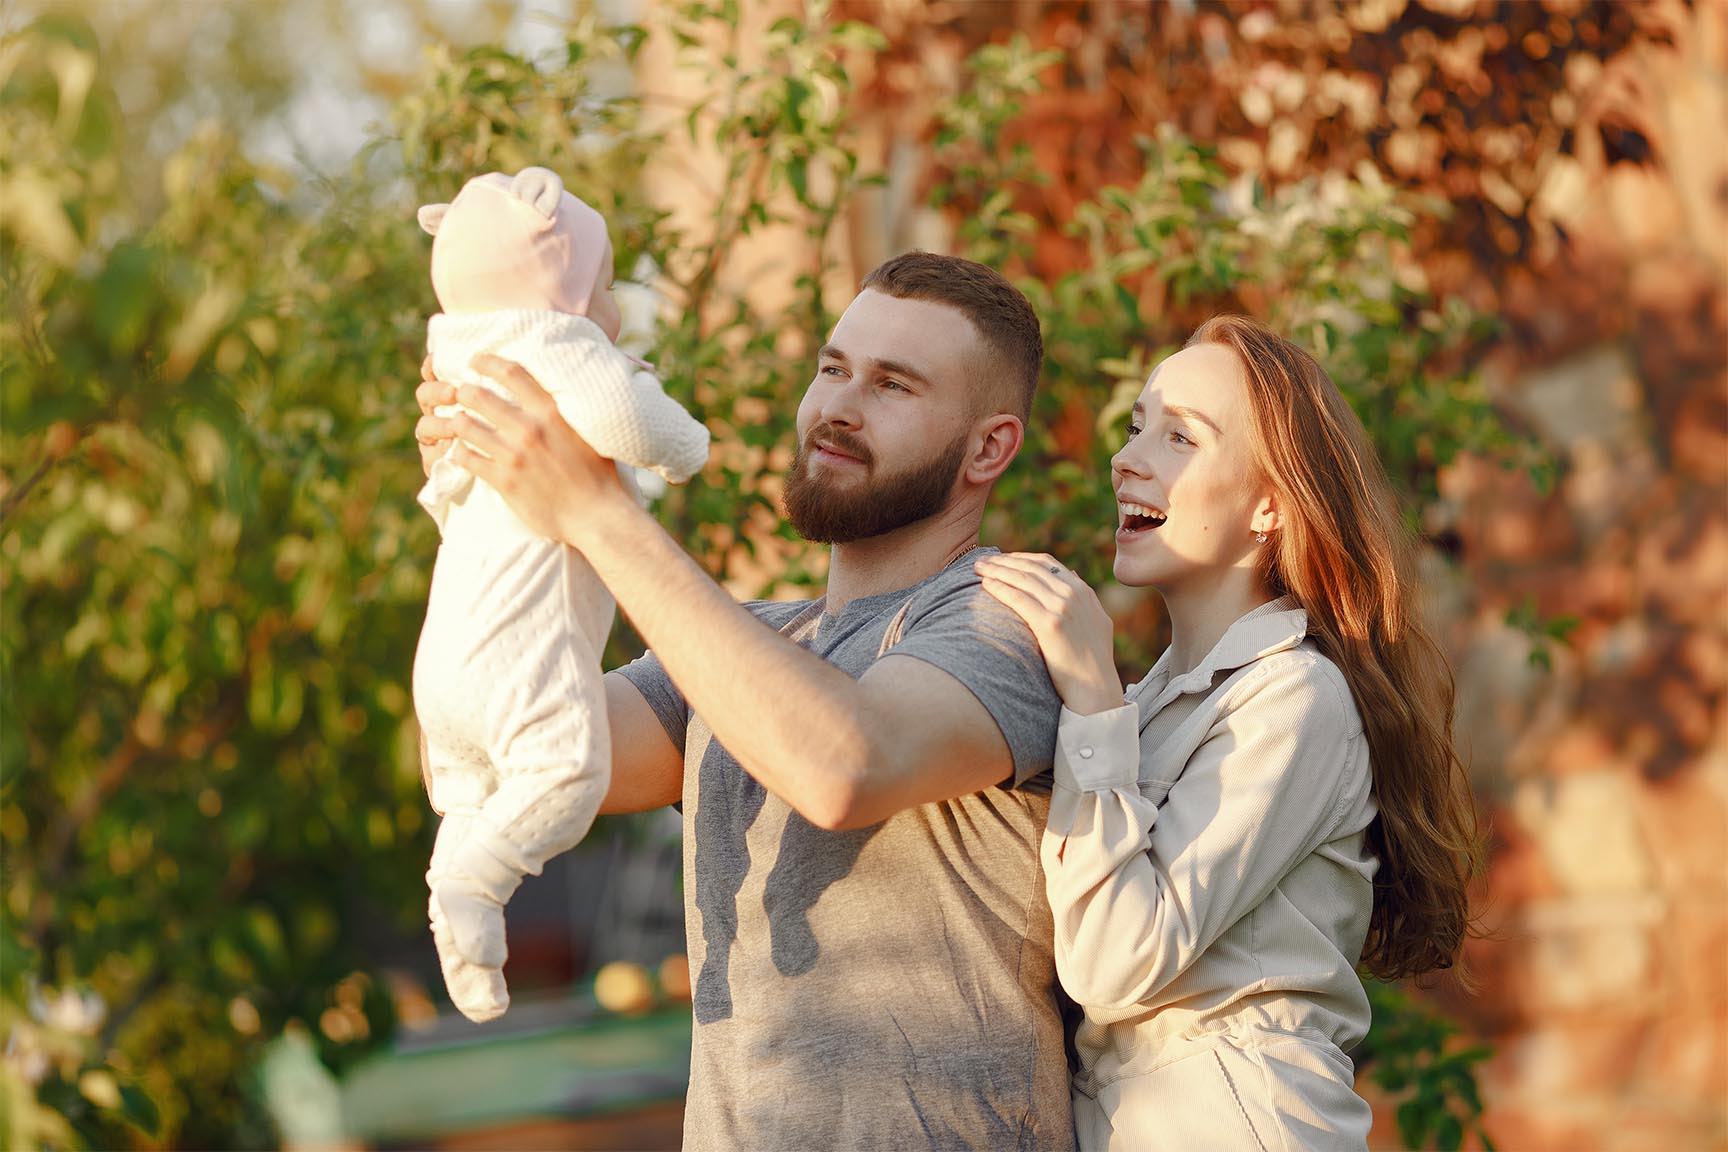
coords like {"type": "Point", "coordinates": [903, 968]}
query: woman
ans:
{"type": "Point", "coordinates": [1279, 799]}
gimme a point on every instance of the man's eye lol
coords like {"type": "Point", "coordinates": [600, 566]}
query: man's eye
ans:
{"type": "Point", "coordinates": [895, 384]}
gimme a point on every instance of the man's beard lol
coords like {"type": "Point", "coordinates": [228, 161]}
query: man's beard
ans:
{"type": "Point", "coordinates": [823, 513]}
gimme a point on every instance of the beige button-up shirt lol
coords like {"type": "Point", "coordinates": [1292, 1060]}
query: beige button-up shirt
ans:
{"type": "Point", "coordinates": [1206, 865]}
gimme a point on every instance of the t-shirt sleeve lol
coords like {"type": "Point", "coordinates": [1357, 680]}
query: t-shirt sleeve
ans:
{"type": "Point", "coordinates": [975, 638]}
{"type": "Point", "coordinates": [649, 678]}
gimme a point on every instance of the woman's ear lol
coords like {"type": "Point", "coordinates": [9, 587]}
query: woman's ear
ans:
{"type": "Point", "coordinates": [430, 216]}
{"type": "Point", "coordinates": [1268, 515]}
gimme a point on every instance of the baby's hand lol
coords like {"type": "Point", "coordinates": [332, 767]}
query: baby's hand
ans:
{"type": "Point", "coordinates": [434, 433]}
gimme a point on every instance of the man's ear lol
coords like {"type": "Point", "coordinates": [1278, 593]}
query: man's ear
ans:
{"type": "Point", "coordinates": [430, 216]}
{"type": "Point", "coordinates": [996, 439]}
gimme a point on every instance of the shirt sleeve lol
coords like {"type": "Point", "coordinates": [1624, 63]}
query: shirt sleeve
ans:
{"type": "Point", "coordinates": [1140, 890]}
{"type": "Point", "coordinates": [624, 414]}
{"type": "Point", "coordinates": [978, 640]}
{"type": "Point", "coordinates": [649, 677]}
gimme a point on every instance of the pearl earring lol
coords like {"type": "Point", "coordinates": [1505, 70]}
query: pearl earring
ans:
{"type": "Point", "coordinates": [1260, 538]}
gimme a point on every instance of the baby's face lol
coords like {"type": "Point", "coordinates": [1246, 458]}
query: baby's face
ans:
{"type": "Point", "coordinates": [602, 305]}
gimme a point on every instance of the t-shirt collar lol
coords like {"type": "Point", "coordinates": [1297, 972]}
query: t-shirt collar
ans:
{"type": "Point", "coordinates": [875, 602]}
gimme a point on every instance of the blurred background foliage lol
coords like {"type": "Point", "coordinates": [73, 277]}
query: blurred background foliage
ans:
{"type": "Point", "coordinates": [212, 569]}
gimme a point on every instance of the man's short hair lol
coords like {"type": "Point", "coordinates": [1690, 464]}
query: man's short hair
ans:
{"type": "Point", "coordinates": [998, 310]}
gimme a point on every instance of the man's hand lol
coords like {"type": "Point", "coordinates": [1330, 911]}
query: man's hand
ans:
{"type": "Point", "coordinates": [433, 433]}
{"type": "Point", "coordinates": [555, 483]}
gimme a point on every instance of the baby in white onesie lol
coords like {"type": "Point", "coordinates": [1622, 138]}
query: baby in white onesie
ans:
{"type": "Point", "coordinates": [507, 676]}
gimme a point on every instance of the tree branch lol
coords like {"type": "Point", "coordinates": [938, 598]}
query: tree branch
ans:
{"type": "Point", "coordinates": [15, 496]}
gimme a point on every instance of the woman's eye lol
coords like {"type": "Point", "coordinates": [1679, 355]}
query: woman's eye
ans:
{"type": "Point", "coordinates": [1179, 437]}
{"type": "Point", "coordinates": [1133, 431]}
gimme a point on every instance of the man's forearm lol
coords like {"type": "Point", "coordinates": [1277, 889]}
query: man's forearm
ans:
{"type": "Point", "coordinates": [796, 723]}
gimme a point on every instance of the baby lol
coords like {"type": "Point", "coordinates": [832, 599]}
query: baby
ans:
{"type": "Point", "coordinates": [507, 676]}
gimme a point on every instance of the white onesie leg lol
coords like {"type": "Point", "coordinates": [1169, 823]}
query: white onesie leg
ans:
{"type": "Point", "coordinates": [478, 991]}
{"type": "Point", "coordinates": [508, 682]}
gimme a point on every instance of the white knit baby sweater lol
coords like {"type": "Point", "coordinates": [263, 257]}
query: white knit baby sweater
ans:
{"type": "Point", "coordinates": [619, 409]}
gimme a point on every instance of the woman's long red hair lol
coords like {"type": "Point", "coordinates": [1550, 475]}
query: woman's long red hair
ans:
{"type": "Point", "coordinates": [1345, 555]}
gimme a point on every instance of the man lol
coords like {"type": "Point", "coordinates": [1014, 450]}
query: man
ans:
{"type": "Point", "coordinates": [864, 777]}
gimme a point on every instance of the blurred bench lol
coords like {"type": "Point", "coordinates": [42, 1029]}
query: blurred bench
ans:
{"type": "Point", "coordinates": [558, 1074]}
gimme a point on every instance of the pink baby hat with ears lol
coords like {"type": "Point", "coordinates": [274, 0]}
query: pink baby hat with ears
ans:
{"type": "Point", "coordinates": [515, 242]}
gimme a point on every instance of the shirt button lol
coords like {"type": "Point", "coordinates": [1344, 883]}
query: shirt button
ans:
{"type": "Point", "coordinates": [1086, 752]}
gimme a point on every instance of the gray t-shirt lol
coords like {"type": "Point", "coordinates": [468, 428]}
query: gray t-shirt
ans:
{"type": "Point", "coordinates": [891, 987]}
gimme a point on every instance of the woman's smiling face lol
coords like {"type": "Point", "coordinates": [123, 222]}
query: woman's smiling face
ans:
{"type": "Point", "coordinates": [1188, 488]}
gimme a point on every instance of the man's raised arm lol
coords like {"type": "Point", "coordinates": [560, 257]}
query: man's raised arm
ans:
{"type": "Point", "coordinates": [843, 753]}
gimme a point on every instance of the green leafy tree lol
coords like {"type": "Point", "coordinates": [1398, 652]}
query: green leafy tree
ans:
{"type": "Point", "coordinates": [210, 582]}
{"type": "Point", "coordinates": [1415, 1055]}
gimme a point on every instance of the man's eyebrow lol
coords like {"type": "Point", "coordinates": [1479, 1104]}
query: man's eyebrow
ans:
{"type": "Point", "coordinates": [886, 367]}
{"type": "Point", "coordinates": [901, 368]}
{"type": "Point", "coordinates": [1195, 415]}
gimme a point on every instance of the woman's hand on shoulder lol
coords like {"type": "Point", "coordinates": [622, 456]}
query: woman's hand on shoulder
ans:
{"type": "Point", "coordinates": [1071, 626]}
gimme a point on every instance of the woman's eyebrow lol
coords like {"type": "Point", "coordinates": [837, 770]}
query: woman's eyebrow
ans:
{"type": "Point", "coordinates": [1195, 415]}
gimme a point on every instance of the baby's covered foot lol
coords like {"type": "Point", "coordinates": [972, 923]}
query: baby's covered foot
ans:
{"type": "Point", "coordinates": [469, 892]}
{"type": "Point", "coordinates": [477, 990]}
{"type": "Point", "coordinates": [473, 891]}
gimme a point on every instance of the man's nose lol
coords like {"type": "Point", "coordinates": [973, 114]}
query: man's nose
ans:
{"type": "Point", "coordinates": [841, 407]}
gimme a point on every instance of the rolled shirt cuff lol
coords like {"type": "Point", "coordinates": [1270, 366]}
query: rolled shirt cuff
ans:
{"type": "Point", "coordinates": [1098, 752]}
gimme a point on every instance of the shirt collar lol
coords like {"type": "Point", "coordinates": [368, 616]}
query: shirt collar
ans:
{"type": "Point", "coordinates": [1272, 627]}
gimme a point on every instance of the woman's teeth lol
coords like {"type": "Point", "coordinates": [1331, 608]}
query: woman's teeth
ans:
{"type": "Point", "coordinates": [1138, 517]}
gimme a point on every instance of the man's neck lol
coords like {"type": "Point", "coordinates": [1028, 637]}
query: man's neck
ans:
{"type": "Point", "coordinates": [901, 558]}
